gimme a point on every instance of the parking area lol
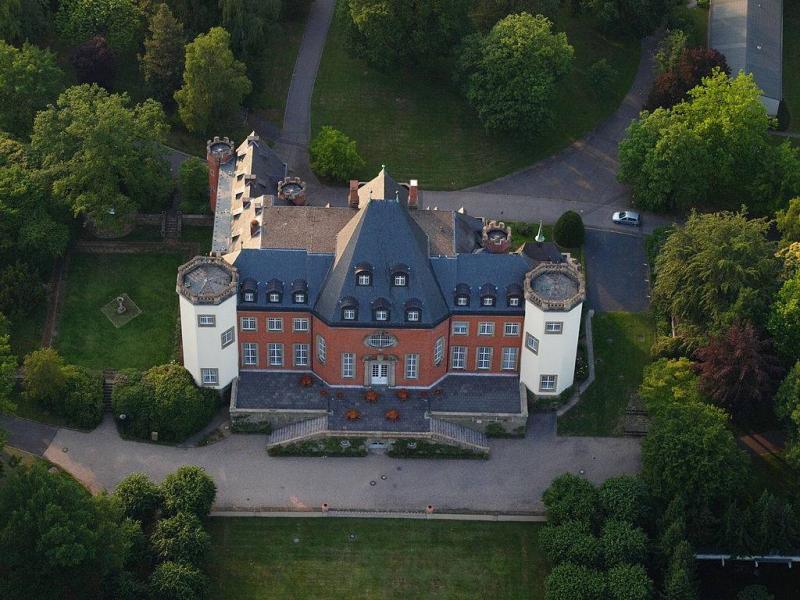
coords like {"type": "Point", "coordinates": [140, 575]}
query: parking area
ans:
{"type": "Point", "coordinates": [617, 271]}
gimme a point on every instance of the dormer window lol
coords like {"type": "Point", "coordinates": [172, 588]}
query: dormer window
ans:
{"type": "Point", "coordinates": [364, 278]}
{"type": "Point", "coordinates": [399, 276]}
{"type": "Point", "coordinates": [462, 300]}
{"type": "Point", "coordinates": [274, 297]}
{"type": "Point", "coordinates": [412, 315]}
{"type": "Point", "coordinates": [487, 301]}
{"type": "Point", "coordinates": [380, 310]}
{"type": "Point", "coordinates": [513, 300]}
{"type": "Point", "coordinates": [363, 274]}
{"type": "Point", "coordinates": [349, 314]}
{"type": "Point", "coordinates": [381, 314]}
{"type": "Point", "coordinates": [299, 297]}
{"type": "Point", "coordinates": [413, 308]}
{"type": "Point", "coordinates": [274, 291]}
{"type": "Point", "coordinates": [249, 290]}
{"type": "Point", "coordinates": [249, 297]}
{"type": "Point", "coordinates": [462, 295]}
{"type": "Point", "coordinates": [299, 291]}
{"type": "Point", "coordinates": [514, 295]}
{"type": "Point", "coordinates": [349, 309]}
{"type": "Point", "coordinates": [488, 295]}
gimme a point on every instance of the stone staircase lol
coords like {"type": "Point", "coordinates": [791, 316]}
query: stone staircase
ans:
{"type": "Point", "coordinates": [450, 433]}
{"type": "Point", "coordinates": [171, 226]}
{"type": "Point", "coordinates": [301, 430]}
{"type": "Point", "coordinates": [108, 386]}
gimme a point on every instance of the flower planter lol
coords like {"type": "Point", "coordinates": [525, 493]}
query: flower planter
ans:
{"type": "Point", "coordinates": [392, 415]}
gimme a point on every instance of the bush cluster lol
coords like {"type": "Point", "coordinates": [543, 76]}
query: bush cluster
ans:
{"type": "Point", "coordinates": [569, 231]}
{"type": "Point", "coordinates": [405, 448]}
{"type": "Point", "coordinates": [326, 447]}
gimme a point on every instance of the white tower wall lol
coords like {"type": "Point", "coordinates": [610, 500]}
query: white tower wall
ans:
{"type": "Point", "coordinates": [556, 352]}
{"type": "Point", "coordinates": [202, 345]}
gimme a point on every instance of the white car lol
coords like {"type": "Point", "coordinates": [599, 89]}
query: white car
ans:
{"type": "Point", "coordinates": [626, 217]}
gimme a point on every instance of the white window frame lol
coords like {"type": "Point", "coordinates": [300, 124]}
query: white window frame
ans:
{"type": "Point", "coordinates": [250, 354]}
{"type": "Point", "coordinates": [510, 357]}
{"type": "Point", "coordinates": [206, 320]}
{"type": "Point", "coordinates": [548, 383]}
{"type": "Point", "coordinates": [438, 350]}
{"type": "Point", "coordinates": [348, 365]}
{"type": "Point", "coordinates": [249, 296]}
{"type": "Point", "coordinates": [274, 323]}
{"type": "Point", "coordinates": [487, 301]}
{"type": "Point", "coordinates": [299, 297]}
{"type": "Point", "coordinates": [209, 377]}
{"type": "Point", "coordinates": [301, 352]}
{"type": "Point", "coordinates": [511, 329]}
{"type": "Point", "coordinates": [458, 357]}
{"type": "Point", "coordinates": [460, 327]}
{"type": "Point", "coordinates": [364, 279]}
{"type": "Point", "coordinates": [300, 324]}
{"type": "Point", "coordinates": [532, 342]}
{"type": "Point", "coordinates": [227, 337]}
{"type": "Point", "coordinates": [381, 314]}
{"type": "Point", "coordinates": [486, 328]}
{"type": "Point", "coordinates": [349, 314]}
{"type": "Point", "coordinates": [274, 354]}
{"type": "Point", "coordinates": [274, 297]}
{"type": "Point", "coordinates": [322, 349]}
{"type": "Point", "coordinates": [412, 366]}
{"type": "Point", "coordinates": [554, 327]}
{"type": "Point", "coordinates": [513, 301]}
{"type": "Point", "coordinates": [483, 358]}
{"type": "Point", "coordinates": [399, 280]}
{"type": "Point", "coordinates": [412, 315]}
{"type": "Point", "coordinates": [248, 324]}
{"type": "Point", "coordinates": [462, 300]}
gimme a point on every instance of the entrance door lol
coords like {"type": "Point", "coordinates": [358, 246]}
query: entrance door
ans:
{"type": "Point", "coordinates": [380, 373]}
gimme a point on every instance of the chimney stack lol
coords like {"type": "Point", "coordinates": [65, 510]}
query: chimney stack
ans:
{"type": "Point", "coordinates": [413, 194]}
{"type": "Point", "coordinates": [352, 196]}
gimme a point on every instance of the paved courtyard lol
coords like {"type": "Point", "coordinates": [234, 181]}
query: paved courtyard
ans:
{"type": "Point", "coordinates": [512, 480]}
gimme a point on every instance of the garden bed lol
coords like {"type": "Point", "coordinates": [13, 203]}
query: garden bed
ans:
{"type": "Point", "coordinates": [329, 447]}
{"type": "Point", "coordinates": [421, 449]}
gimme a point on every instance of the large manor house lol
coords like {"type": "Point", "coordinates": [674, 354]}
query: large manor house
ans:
{"type": "Point", "coordinates": [320, 318]}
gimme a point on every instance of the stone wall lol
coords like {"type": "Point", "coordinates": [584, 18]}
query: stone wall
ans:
{"type": "Point", "coordinates": [197, 220]}
{"type": "Point", "coordinates": [243, 420]}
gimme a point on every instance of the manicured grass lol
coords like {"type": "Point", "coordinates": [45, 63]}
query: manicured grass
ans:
{"type": "Point", "coordinates": [421, 126]}
{"type": "Point", "coordinates": [258, 558]}
{"type": "Point", "coordinates": [791, 61]}
{"type": "Point", "coordinates": [622, 349]}
{"type": "Point", "coordinates": [86, 337]}
{"type": "Point", "coordinates": [198, 234]}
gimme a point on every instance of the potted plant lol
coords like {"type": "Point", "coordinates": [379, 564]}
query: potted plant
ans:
{"type": "Point", "coordinates": [352, 414]}
{"type": "Point", "coordinates": [402, 394]}
{"type": "Point", "coordinates": [306, 381]}
{"type": "Point", "coordinates": [438, 392]}
{"type": "Point", "coordinates": [371, 396]}
{"type": "Point", "coordinates": [339, 395]}
{"type": "Point", "coordinates": [323, 393]}
{"type": "Point", "coordinates": [392, 415]}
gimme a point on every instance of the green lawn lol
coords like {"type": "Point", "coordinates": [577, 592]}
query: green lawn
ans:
{"type": "Point", "coordinates": [198, 234]}
{"type": "Point", "coordinates": [86, 337]}
{"type": "Point", "coordinates": [422, 127]}
{"type": "Point", "coordinates": [622, 349]}
{"type": "Point", "coordinates": [791, 60]}
{"type": "Point", "coordinates": [393, 558]}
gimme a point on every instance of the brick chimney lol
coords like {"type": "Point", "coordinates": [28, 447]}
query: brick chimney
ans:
{"type": "Point", "coordinates": [352, 196]}
{"type": "Point", "coordinates": [413, 194]}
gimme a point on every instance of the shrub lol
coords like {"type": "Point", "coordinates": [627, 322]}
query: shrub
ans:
{"type": "Point", "coordinates": [622, 543]}
{"type": "Point", "coordinates": [193, 186]}
{"type": "Point", "coordinates": [334, 155]}
{"type": "Point", "coordinates": [43, 378]}
{"type": "Point", "coordinates": [20, 290]}
{"type": "Point", "coordinates": [624, 498]}
{"type": "Point", "coordinates": [139, 497]}
{"type": "Point", "coordinates": [422, 449]}
{"type": "Point", "coordinates": [569, 231]}
{"type": "Point", "coordinates": [189, 489]}
{"type": "Point", "coordinates": [181, 539]}
{"type": "Point", "coordinates": [571, 498]}
{"type": "Point", "coordinates": [496, 430]}
{"type": "Point", "coordinates": [326, 447]}
{"type": "Point", "coordinates": [94, 62]}
{"type": "Point", "coordinates": [83, 399]}
{"type": "Point", "coordinates": [601, 76]}
{"type": "Point", "coordinates": [177, 581]}
{"type": "Point", "coordinates": [571, 542]}
{"type": "Point", "coordinates": [574, 582]}
{"type": "Point", "coordinates": [628, 582]}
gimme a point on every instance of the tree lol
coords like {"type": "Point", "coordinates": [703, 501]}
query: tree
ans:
{"type": "Point", "coordinates": [784, 319]}
{"type": "Point", "coordinates": [629, 582]}
{"type": "Point", "coordinates": [570, 498]}
{"type": "Point", "coordinates": [20, 290]}
{"type": "Point", "coordinates": [180, 539]}
{"type": "Point", "coordinates": [139, 497]}
{"type": "Point", "coordinates": [570, 542]}
{"type": "Point", "coordinates": [690, 453]}
{"type": "Point", "coordinates": [637, 17]}
{"type": "Point", "coordinates": [334, 155]}
{"type": "Point", "coordinates": [52, 530]}
{"type": "Point", "coordinates": [177, 581]}
{"type": "Point", "coordinates": [670, 49]}
{"type": "Point", "coordinates": [162, 62]}
{"type": "Point", "coordinates": [601, 76]}
{"type": "Point", "coordinates": [193, 185]}
{"type": "Point", "coordinates": [694, 64]}
{"type": "Point", "coordinates": [8, 368]}
{"type": "Point", "coordinates": [679, 580]}
{"type": "Point", "coordinates": [511, 73]}
{"type": "Point", "coordinates": [196, 15]}
{"type": "Point", "coordinates": [624, 498]}
{"type": "Point", "coordinates": [94, 62]}
{"type": "Point", "coordinates": [569, 231]}
{"type": "Point", "coordinates": [43, 377]}
{"type": "Point", "coordinates": [249, 22]}
{"type": "Point", "coordinates": [788, 222]}
{"type": "Point", "coordinates": [411, 34]}
{"type": "Point", "coordinates": [739, 371]}
{"type": "Point", "coordinates": [119, 21]}
{"type": "Point", "coordinates": [190, 490]}
{"type": "Point", "coordinates": [83, 398]}
{"type": "Point", "coordinates": [622, 543]}
{"type": "Point", "coordinates": [669, 382]}
{"type": "Point", "coordinates": [573, 582]}
{"type": "Point", "coordinates": [715, 269]}
{"type": "Point", "coordinates": [713, 149]}
{"type": "Point", "coordinates": [29, 79]}
{"type": "Point", "coordinates": [103, 155]}
{"type": "Point", "coordinates": [214, 82]}
{"type": "Point", "coordinates": [787, 408]}
{"type": "Point", "coordinates": [24, 20]}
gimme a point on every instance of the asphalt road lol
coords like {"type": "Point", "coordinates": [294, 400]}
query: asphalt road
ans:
{"type": "Point", "coordinates": [26, 435]}
{"type": "Point", "coordinates": [616, 271]}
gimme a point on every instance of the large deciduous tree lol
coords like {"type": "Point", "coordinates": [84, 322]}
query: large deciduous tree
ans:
{"type": "Point", "coordinates": [334, 155]}
{"type": "Point", "coordinates": [214, 82]}
{"type": "Point", "coordinates": [628, 17]}
{"type": "Point", "coordinates": [119, 21]}
{"type": "Point", "coordinates": [94, 62]}
{"type": "Point", "coordinates": [24, 20]}
{"type": "Point", "coordinates": [196, 15]}
{"type": "Point", "coordinates": [102, 154]}
{"type": "Point", "coordinates": [510, 74]}
{"type": "Point", "coordinates": [190, 490]}
{"type": "Point", "coordinates": [784, 319]}
{"type": "Point", "coordinates": [249, 23]}
{"type": "Point", "coordinates": [29, 79]}
{"type": "Point", "coordinates": [713, 149]}
{"type": "Point", "coordinates": [180, 538]}
{"type": "Point", "coordinates": [162, 61]}
{"type": "Point", "coordinates": [668, 382]}
{"type": "Point", "coordinates": [673, 85]}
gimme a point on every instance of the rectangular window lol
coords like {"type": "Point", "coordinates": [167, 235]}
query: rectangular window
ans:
{"type": "Point", "coordinates": [460, 328]}
{"type": "Point", "coordinates": [275, 324]}
{"type": "Point", "coordinates": [275, 355]}
{"type": "Point", "coordinates": [412, 366]}
{"type": "Point", "coordinates": [206, 321]}
{"type": "Point", "coordinates": [486, 328]}
{"type": "Point", "coordinates": [300, 324]}
{"type": "Point", "coordinates": [249, 297]}
{"type": "Point", "coordinates": [510, 359]}
{"type": "Point", "coordinates": [511, 329]}
{"type": "Point", "coordinates": [274, 297]}
{"type": "Point", "coordinates": [248, 323]}
{"type": "Point", "coordinates": [484, 359]}
{"type": "Point", "coordinates": [532, 343]}
{"type": "Point", "coordinates": [301, 355]}
{"type": "Point", "coordinates": [458, 357]}
{"type": "Point", "coordinates": [227, 337]}
{"type": "Point", "coordinates": [322, 350]}
{"type": "Point", "coordinates": [547, 383]}
{"type": "Point", "coordinates": [553, 326]}
{"type": "Point", "coordinates": [349, 314]}
{"type": "Point", "coordinates": [438, 350]}
{"type": "Point", "coordinates": [250, 354]}
{"type": "Point", "coordinates": [209, 376]}
{"type": "Point", "coordinates": [348, 365]}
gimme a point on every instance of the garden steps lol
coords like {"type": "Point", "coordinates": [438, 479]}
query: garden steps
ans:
{"type": "Point", "coordinates": [109, 377]}
{"type": "Point", "coordinates": [301, 430]}
{"type": "Point", "coordinates": [454, 434]}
